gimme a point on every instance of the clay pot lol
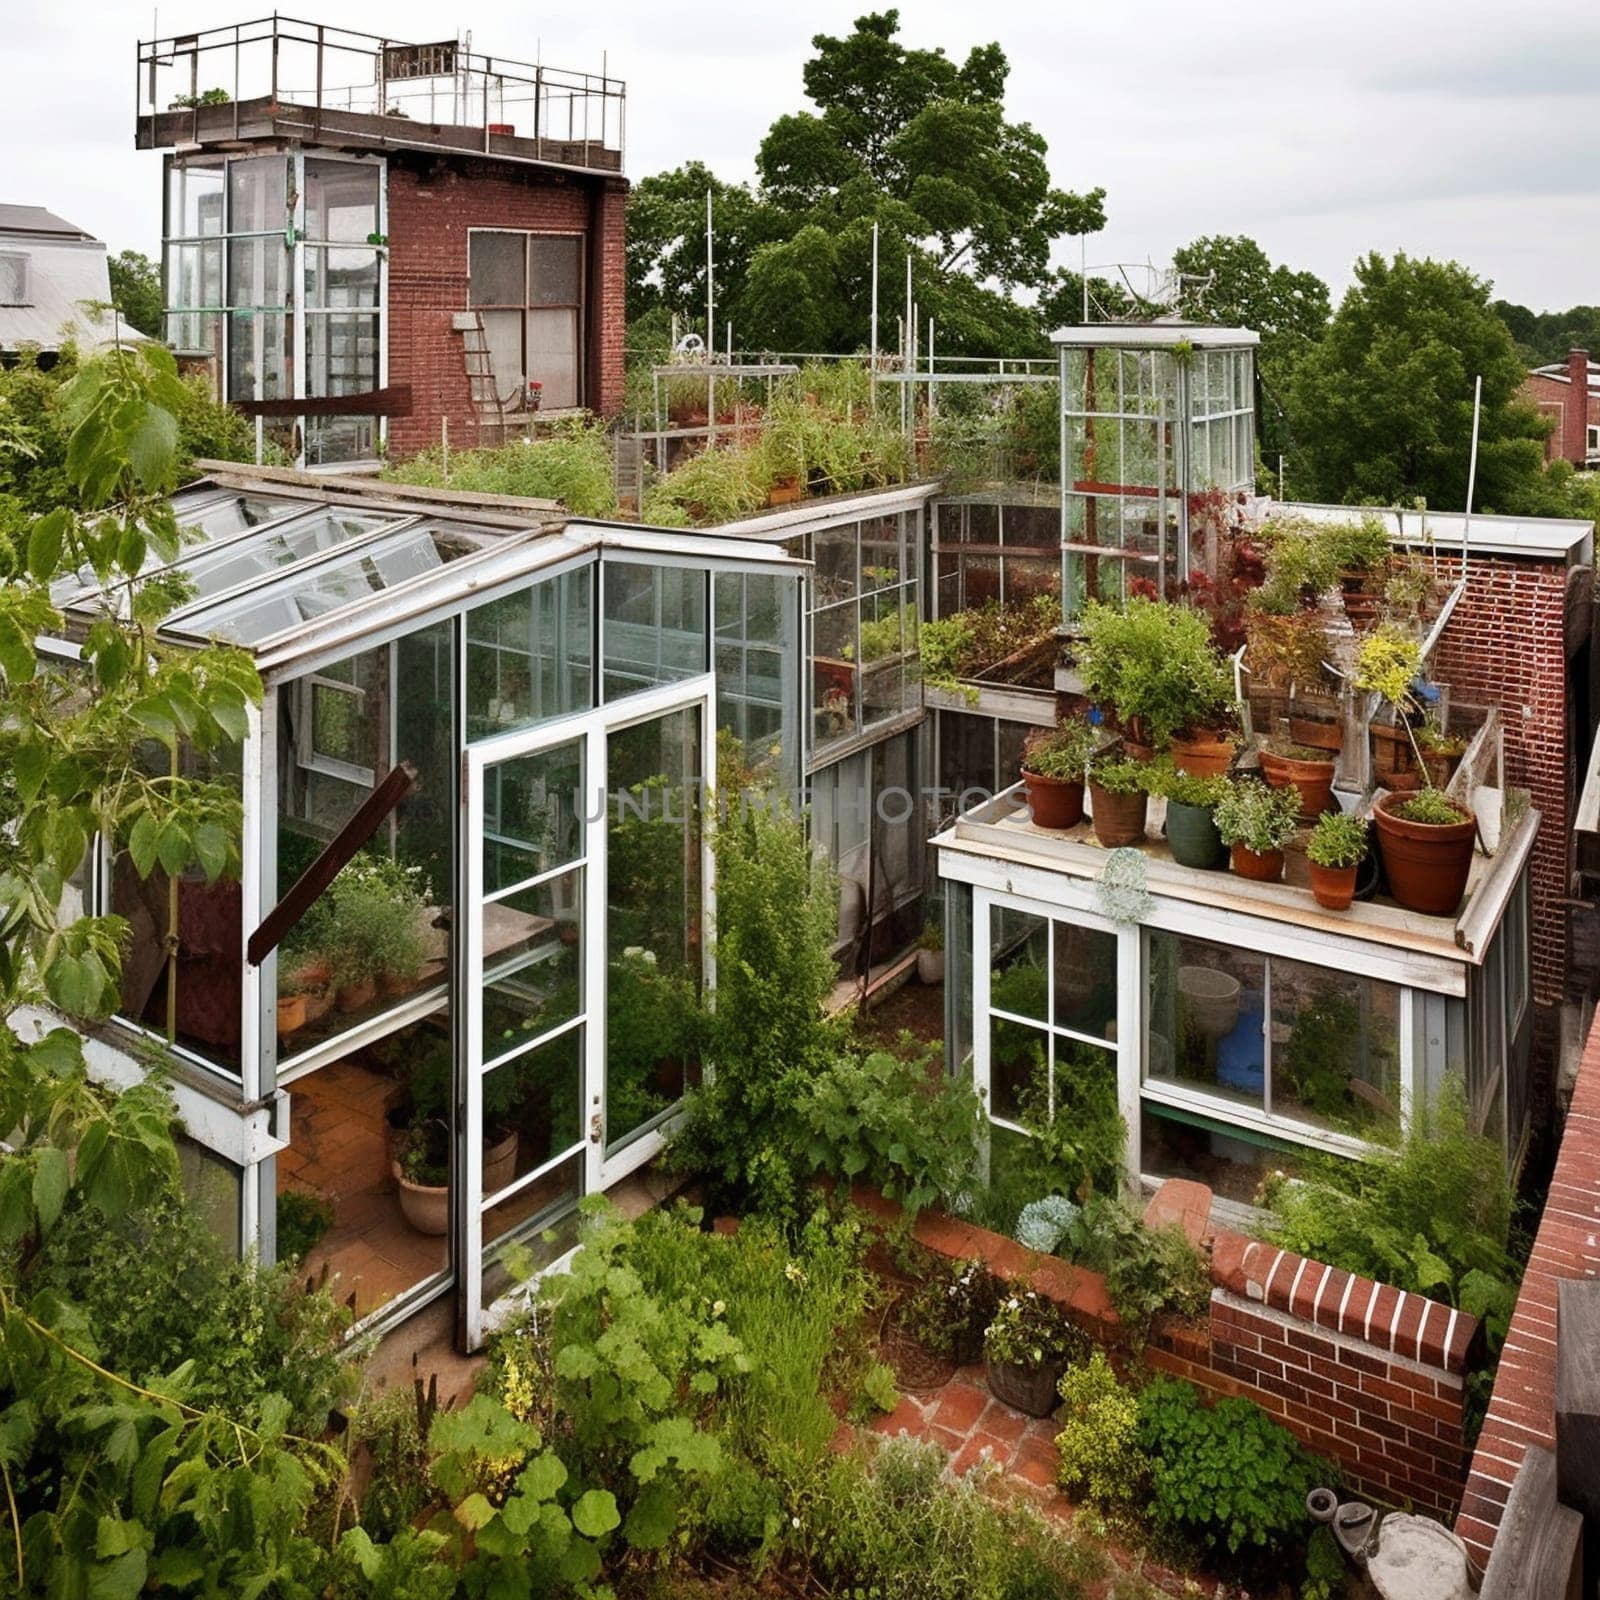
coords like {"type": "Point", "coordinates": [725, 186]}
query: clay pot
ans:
{"type": "Point", "coordinates": [1210, 1000]}
{"type": "Point", "coordinates": [1248, 863]}
{"type": "Point", "coordinates": [291, 1014]}
{"type": "Point", "coordinates": [1314, 780]}
{"type": "Point", "coordinates": [1192, 833]}
{"type": "Point", "coordinates": [499, 1163]}
{"type": "Point", "coordinates": [1204, 756]}
{"type": "Point", "coordinates": [1360, 603]}
{"type": "Point", "coordinates": [1401, 780]}
{"type": "Point", "coordinates": [353, 996]}
{"type": "Point", "coordinates": [1118, 818]}
{"type": "Point", "coordinates": [427, 1209]}
{"type": "Point", "coordinates": [1334, 887]}
{"type": "Point", "coordinates": [319, 1002]}
{"type": "Point", "coordinates": [393, 985]}
{"type": "Point", "coordinates": [1427, 864]}
{"type": "Point", "coordinates": [1054, 802]}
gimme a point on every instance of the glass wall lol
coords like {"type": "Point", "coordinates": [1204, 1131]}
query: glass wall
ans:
{"type": "Point", "coordinates": [530, 655]}
{"type": "Point", "coordinates": [864, 626]}
{"type": "Point", "coordinates": [985, 552]}
{"type": "Point", "coordinates": [756, 645]}
{"type": "Point", "coordinates": [654, 626]}
{"type": "Point", "coordinates": [1222, 440]}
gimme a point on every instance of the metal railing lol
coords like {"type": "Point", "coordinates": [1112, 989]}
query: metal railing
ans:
{"type": "Point", "coordinates": [290, 62]}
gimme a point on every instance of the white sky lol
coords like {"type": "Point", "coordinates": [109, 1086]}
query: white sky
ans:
{"type": "Point", "coordinates": [1451, 128]}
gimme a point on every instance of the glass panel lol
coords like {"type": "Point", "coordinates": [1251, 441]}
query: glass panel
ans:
{"type": "Point", "coordinates": [232, 515]}
{"type": "Point", "coordinates": [194, 202]}
{"type": "Point", "coordinates": [533, 963]}
{"type": "Point", "coordinates": [655, 620]}
{"type": "Point", "coordinates": [653, 928]}
{"type": "Point", "coordinates": [341, 200]}
{"type": "Point", "coordinates": [757, 664]}
{"type": "Point", "coordinates": [1084, 964]}
{"type": "Point", "coordinates": [497, 269]}
{"type": "Point", "coordinates": [502, 332]}
{"type": "Point", "coordinates": [194, 275]}
{"type": "Point", "coordinates": [1205, 1012]}
{"type": "Point", "coordinates": [555, 270]}
{"type": "Point", "coordinates": [530, 1211]}
{"type": "Point", "coordinates": [834, 551]}
{"type": "Point", "coordinates": [881, 565]}
{"type": "Point", "coordinates": [257, 201]}
{"type": "Point", "coordinates": [1019, 1073]}
{"type": "Point", "coordinates": [529, 656]}
{"type": "Point", "coordinates": [341, 278]}
{"type": "Point", "coordinates": [532, 1110]}
{"type": "Point", "coordinates": [333, 439]}
{"type": "Point", "coordinates": [553, 356]}
{"type": "Point", "coordinates": [209, 573]}
{"type": "Point", "coordinates": [199, 334]}
{"type": "Point", "coordinates": [341, 354]}
{"type": "Point", "coordinates": [532, 815]}
{"type": "Point", "coordinates": [834, 672]}
{"type": "Point", "coordinates": [258, 355]}
{"type": "Point", "coordinates": [1335, 1047]}
{"type": "Point", "coordinates": [1019, 946]}
{"type": "Point", "coordinates": [258, 271]}
{"type": "Point", "coordinates": [1231, 1164]}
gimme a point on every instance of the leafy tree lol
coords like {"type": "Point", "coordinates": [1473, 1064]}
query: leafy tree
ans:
{"type": "Point", "coordinates": [904, 137]}
{"type": "Point", "coordinates": [1381, 408]}
{"type": "Point", "coordinates": [1546, 336]}
{"type": "Point", "coordinates": [136, 292]}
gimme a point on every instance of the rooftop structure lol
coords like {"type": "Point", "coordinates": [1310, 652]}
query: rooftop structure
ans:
{"type": "Point", "coordinates": [55, 286]}
{"type": "Point", "coordinates": [1568, 393]}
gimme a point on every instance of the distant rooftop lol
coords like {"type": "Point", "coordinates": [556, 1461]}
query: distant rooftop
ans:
{"type": "Point", "coordinates": [283, 78]}
{"type": "Point", "coordinates": [1155, 335]}
{"type": "Point", "coordinates": [35, 219]}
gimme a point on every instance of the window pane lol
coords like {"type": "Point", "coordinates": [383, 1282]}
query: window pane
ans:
{"type": "Point", "coordinates": [533, 1212]}
{"type": "Point", "coordinates": [341, 354]}
{"type": "Point", "coordinates": [257, 200]}
{"type": "Point", "coordinates": [502, 331]}
{"type": "Point", "coordinates": [1335, 1047]}
{"type": "Point", "coordinates": [340, 278]}
{"type": "Point", "coordinates": [654, 626]}
{"type": "Point", "coordinates": [194, 275]}
{"type": "Point", "coordinates": [553, 356]}
{"type": "Point", "coordinates": [497, 270]}
{"type": "Point", "coordinates": [1205, 1014]}
{"type": "Point", "coordinates": [834, 552]}
{"type": "Point", "coordinates": [555, 270]}
{"type": "Point", "coordinates": [532, 1110]}
{"type": "Point", "coordinates": [194, 202]}
{"type": "Point", "coordinates": [341, 200]}
{"type": "Point", "coordinates": [257, 271]}
{"type": "Point", "coordinates": [528, 656]}
{"type": "Point", "coordinates": [1085, 980]}
{"type": "Point", "coordinates": [532, 815]}
{"type": "Point", "coordinates": [258, 355]}
{"type": "Point", "coordinates": [532, 958]}
{"type": "Point", "coordinates": [1019, 945]}
{"type": "Point", "coordinates": [1019, 1073]}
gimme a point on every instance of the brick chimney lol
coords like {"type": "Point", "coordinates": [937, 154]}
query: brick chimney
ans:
{"type": "Point", "coordinates": [1575, 413]}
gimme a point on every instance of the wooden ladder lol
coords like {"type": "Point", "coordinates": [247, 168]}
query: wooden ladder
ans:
{"type": "Point", "coordinates": [487, 405]}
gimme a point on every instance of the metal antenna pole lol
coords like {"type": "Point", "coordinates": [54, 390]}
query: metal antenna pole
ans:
{"type": "Point", "coordinates": [711, 329]}
{"type": "Point", "coordinates": [872, 382]}
{"type": "Point", "coordinates": [1472, 470]}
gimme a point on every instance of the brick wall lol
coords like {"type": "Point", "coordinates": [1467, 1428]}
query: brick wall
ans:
{"type": "Point", "coordinates": [1504, 646]}
{"type": "Point", "coordinates": [1360, 1372]}
{"type": "Point", "coordinates": [1567, 1245]}
{"type": "Point", "coordinates": [431, 207]}
{"type": "Point", "coordinates": [1571, 406]}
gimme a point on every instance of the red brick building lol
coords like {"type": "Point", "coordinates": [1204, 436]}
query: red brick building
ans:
{"type": "Point", "coordinates": [371, 245]}
{"type": "Point", "coordinates": [1569, 394]}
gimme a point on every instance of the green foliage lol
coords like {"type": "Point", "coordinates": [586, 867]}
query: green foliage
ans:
{"type": "Point", "coordinates": [1149, 1272]}
{"type": "Point", "coordinates": [1432, 808]}
{"type": "Point", "coordinates": [1388, 663]}
{"type": "Point", "coordinates": [1431, 1215]}
{"type": "Point", "coordinates": [571, 464]}
{"type": "Point", "coordinates": [1338, 840]}
{"type": "Point", "coordinates": [374, 925]}
{"type": "Point", "coordinates": [954, 1302]}
{"type": "Point", "coordinates": [1227, 1474]}
{"type": "Point", "coordinates": [1122, 777]}
{"type": "Point", "coordinates": [900, 1124]}
{"type": "Point", "coordinates": [1028, 1330]}
{"type": "Point", "coordinates": [1356, 546]}
{"type": "Point", "coordinates": [303, 1220]}
{"type": "Point", "coordinates": [136, 292]}
{"type": "Point", "coordinates": [1098, 1441]}
{"type": "Point", "coordinates": [963, 645]}
{"type": "Point", "coordinates": [1060, 752]}
{"type": "Point", "coordinates": [714, 485]}
{"type": "Point", "coordinates": [1327, 1574]}
{"type": "Point", "coordinates": [1181, 789]}
{"type": "Point", "coordinates": [1043, 1223]}
{"type": "Point", "coordinates": [1153, 663]}
{"type": "Point", "coordinates": [390, 1429]}
{"type": "Point", "coordinates": [1259, 818]}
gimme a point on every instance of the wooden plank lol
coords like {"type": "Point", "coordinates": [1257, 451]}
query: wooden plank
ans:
{"type": "Point", "coordinates": [1578, 1395]}
{"type": "Point", "coordinates": [1538, 1551]}
{"type": "Point", "coordinates": [310, 886]}
{"type": "Point", "coordinates": [394, 401]}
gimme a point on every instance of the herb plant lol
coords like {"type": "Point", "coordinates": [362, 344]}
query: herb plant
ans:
{"type": "Point", "coordinates": [1259, 818]}
{"type": "Point", "coordinates": [1433, 808]}
{"type": "Point", "coordinates": [1338, 840]}
{"type": "Point", "coordinates": [1062, 752]}
{"type": "Point", "coordinates": [1098, 1440]}
{"type": "Point", "coordinates": [1029, 1331]}
{"type": "Point", "coordinates": [1121, 777]}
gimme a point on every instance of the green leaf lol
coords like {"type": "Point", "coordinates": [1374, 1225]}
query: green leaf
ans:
{"type": "Point", "coordinates": [142, 841]}
{"type": "Point", "coordinates": [29, 764]}
{"type": "Point", "coordinates": [51, 1179]}
{"type": "Point", "coordinates": [16, 651]}
{"type": "Point", "coordinates": [474, 1512]}
{"type": "Point", "coordinates": [172, 847]}
{"type": "Point", "coordinates": [211, 844]}
{"type": "Point", "coordinates": [653, 1517]}
{"type": "Point", "coordinates": [119, 1579]}
{"type": "Point", "coordinates": [151, 446]}
{"type": "Point", "coordinates": [595, 1513]}
{"type": "Point", "coordinates": [44, 544]}
{"type": "Point", "coordinates": [542, 1476]}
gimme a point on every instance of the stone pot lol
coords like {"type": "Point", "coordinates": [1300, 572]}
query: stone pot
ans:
{"type": "Point", "coordinates": [1192, 833]}
{"type": "Point", "coordinates": [426, 1208]}
{"type": "Point", "coordinates": [930, 966]}
{"type": "Point", "coordinates": [1313, 779]}
{"type": "Point", "coordinates": [1118, 818]}
{"type": "Point", "coordinates": [1427, 864]}
{"type": "Point", "coordinates": [1206, 755]}
{"type": "Point", "coordinates": [1263, 867]}
{"type": "Point", "coordinates": [1334, 887]}
{"type": "Point", "coordinates": [1031, 1390]}
{"type": "Point", "coordinates": [1054, 802]}
{"type": "Point", "coordinates": [1210, 1000]}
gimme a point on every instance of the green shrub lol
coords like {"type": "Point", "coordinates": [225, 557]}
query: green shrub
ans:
{"type": "Point", "coordinates": [952, 1305]}
{"type": "Point", "coordinates": [1028, 1330]}
{"type": "Point", "coordinates": [572, 465]}
{"type": "Point", "coordinates": [1337, 840]}
{"type": "Point", "coordinates": [1259, 818]}
{"type": "Point", "coordinates": [1227, 1474]}
{"type": "Point", "coordinates": [1098, 1442]}
{"type": "Point", "coordinates": [714, 485]}
{"type": "Point", "coordinates": [1148, 1271]}
{"type": "Point", "coordinates": [1061, 752]}
{"type": "Point", "coordinates": [1433, 808]}
{"type": "Point", "coordinates": [1122, 777]}
{"type": "Point", "coordinates": [159, 1291]}
{"type": "Point", "coordinates": [389, 1428]}
{"type": "Point", "coordinates": [1327, 1573]}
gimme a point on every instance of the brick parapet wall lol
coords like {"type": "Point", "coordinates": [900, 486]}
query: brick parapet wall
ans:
{"type": "Point", "coordinates": [432, 205]}
{"type": "Point", "coordinates": [1504, 646]}
{"type": "Point", "coordinates": [1332, 1356]}
{"type": "Point", "coordinates": [1522, 1407]}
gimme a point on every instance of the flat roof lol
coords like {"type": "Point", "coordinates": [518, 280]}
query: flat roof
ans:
{"type": "Point", "coordinates": [1154, 335]}
{"type": "Point", "coordinates": [1542, 538]}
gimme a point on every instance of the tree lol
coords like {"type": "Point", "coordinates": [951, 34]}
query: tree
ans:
{"type": "Point", "coordinates": [136, 292]}
{"type": "Point", "coordinates": [1381, 408]}
{"type": "Point", "coordinates": [903, 137]}
{"type": "Point", "coordinates": [1546, 336]}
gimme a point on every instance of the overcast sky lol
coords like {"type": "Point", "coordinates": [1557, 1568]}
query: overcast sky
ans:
{"type": "Point", "coordinates": [1451, 128]}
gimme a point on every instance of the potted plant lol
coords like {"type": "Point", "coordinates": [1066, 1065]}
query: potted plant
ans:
{"type": "Point", "coordinates": [1426, 839]}
{"type": "Point", "coordinates": [1026, 1348]}
{"type": "Point", "coordinates": [421, 1171]}
{"type": "Point", "coordinates": [930, 952]}
{"type": "Point", "coordinates": [1256, 822]}
{"type": "Point", "coordinates": [291, 1004]}
{"type": "Point", "coordinates": [1152, 662]}
{"type": "Point", "coordinates": [1441, 752]}
{"type": "Point", "coordinates": [1358, 553]}
{"type": "Point", "coordinates": [376, 929]}
{"type": "Point", "coordinates": [1191, 827]}
{"type": "Point", "coordinates": [1053, 765]}
{"type": "Point", "coordinates": [951, 1309]}
{"type": "Point", "coordinates": [1303, 768]}
{"type": "Point", "coordinates": [1120, 796]}
{"type": "Point", "coordinates": [1337, 846]}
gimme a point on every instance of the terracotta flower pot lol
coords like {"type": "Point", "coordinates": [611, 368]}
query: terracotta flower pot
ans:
{"type": "Point", "coordinates": [319, 1002]}
{"type": "Point", "coordinates": [394, 984]}
{"type": "Point", "coordinates": [1118, 818]}
{"type": "Point", "coordinates": [425, 1207]}
{"type": "Point", "coordinates": [1054, 802]}
{"type": "Point", "coordinates": [353, 996]}
{"type": "Point", "coordinates": [1204, 756]}
{"type": "Point", "coordinates": [1333, 887]}
{"type": "Point", "coordinates": [499, 1163]}
{"type": "Point", "coordinates": [291, 1014]}
{"type": "Point", "coordinates": [1313, 779]}
{"type": "Point", "coordinates": [1264, 868]}
{"type": "Point", "coordinates": [1427, 863]}
{"type": "Point", "coordinates": [1031, 1390]}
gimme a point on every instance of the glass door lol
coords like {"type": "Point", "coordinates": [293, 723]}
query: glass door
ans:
{"type": "Point", "coordinates": [587, 891]}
